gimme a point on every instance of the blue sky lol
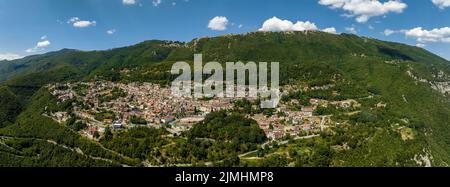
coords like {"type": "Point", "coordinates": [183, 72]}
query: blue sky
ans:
{"type": "Point", "coordinates": [37, 26]}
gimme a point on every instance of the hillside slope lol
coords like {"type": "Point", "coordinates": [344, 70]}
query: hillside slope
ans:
{"type": "Point", "coordinates": [358, 65]}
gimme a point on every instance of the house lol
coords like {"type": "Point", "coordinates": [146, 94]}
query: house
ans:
{"type": "Point", "coordinates": [274, 135]}
{"type": "Point", "coordinates": [91, 130]}
{"type": "Point", "coordinates": [296, 120]}
{"type": "Point", "coordinates": [308, 111]}
{"type": "Point", "coordinates": [282, 109]}
{"type": "Point", "coordinates": [61, 116]}
{"type": "Point", "coordinates": [346, 104]}
{"type": "Point", "coordinates": [294, 131]}
{"type": "Point", "coordinates": [278, 135]}
{"type": "Point", "coordinates": [264, 124]}
{"type": "Point", "coordinates": [117, 125]}
{"type": "Point", "coordinates": [107, 121]}
{"type": "Point", "coordinates": [306, 127]}
{"type": "Point", "coordinates": [168, 119]}
{"type": "Point", "coordinates": [314, 101]}
{"type": "Point", "coordinates": [101, 129]}
{"type": "Point", "coordinates": [267, 132]}
{"type": "Point", "coordinates": [278, 127]}
{"type": "Point", "coordinates": [205, 109]}
{"type": "Point", "coordinates": [381, 105]}
{"type": "Point", "coordinates": [191, 120]}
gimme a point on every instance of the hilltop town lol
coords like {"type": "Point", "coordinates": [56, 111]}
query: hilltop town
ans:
{"type": "Point", "coordinates": [119, 106]}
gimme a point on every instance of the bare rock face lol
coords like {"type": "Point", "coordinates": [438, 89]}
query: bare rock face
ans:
{"type": "Point", "coordinates": [442, 86]}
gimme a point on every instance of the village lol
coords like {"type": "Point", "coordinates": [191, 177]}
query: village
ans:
{"type": "Point", "coordinates": [122, 106]}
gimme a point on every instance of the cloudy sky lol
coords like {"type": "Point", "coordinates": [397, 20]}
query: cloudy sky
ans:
{"type": "Point", "coordinates": [37, 26]}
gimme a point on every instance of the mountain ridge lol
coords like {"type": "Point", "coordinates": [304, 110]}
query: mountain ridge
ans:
{"type": "Point", "coordinates": [207, 37]}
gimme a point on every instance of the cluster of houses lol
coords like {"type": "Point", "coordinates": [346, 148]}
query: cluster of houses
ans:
{"type": "Point", "coordinates": [156, 106]}
{"type": "Point", "coordinates": [294, 122]}
{"type": "Point", "coordinates": [291, 123]}
{"type": "Point", "coordinates": [146, 101]}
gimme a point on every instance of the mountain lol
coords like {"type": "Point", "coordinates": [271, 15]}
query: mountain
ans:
{"type": "Point", "coordinates": [411, 80]}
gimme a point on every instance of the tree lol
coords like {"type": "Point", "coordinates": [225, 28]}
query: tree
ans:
{"type": "Point", "coordinates": [275, 161]}
{"type": "Point", "coordinates": [79, 126]}
{"type": "Point", "coordinates": [108, 134]}
{"type": "Point", "coordinates": [96, 134]}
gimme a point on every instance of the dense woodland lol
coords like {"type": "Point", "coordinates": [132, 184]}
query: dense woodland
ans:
{"type": "Point", "coordinates": [355, 66]}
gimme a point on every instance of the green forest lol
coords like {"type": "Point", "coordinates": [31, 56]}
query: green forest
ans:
{"type": "Point", "coordinates": [357, 67]}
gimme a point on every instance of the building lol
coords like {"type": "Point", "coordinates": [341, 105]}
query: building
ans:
{"type": "Point", "coordinates": [306, 127]}
{"type": "Point", "coordinates": [308, 111]}
{"type": "Point", "coordinates": [168, 119]}
{"type": "Point", "coordinates": [117, 126]}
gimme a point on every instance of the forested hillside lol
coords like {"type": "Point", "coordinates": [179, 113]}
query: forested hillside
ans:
{"type": "Point", "coordinates": [357, 66]}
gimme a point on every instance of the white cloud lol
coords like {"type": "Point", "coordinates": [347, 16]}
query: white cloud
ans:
{"type": "Point", "coordinates": [156, 2]}
{"type": "Point", "coordinates": [303, 26]}
{"type": "Point", "coordinates": [331, 30]}
{"type": "Point", "coordinates": [76, 22]}
{"type": "Point", "coordinates": [240, 26]}
{"type": "Point", "coordinates": [111, 31]}
{"type": "Point", "coordinates": [73, 19]}
{"type": "Point", "coordinates": [9, 56]}
{"type": "Point", "coordinates": [81, 24]}
{"type": "Point", "coordinates": [423, 36]}
{"type": "Point", "coordinates": [421, 45]}
{"type": "Point", "coordinates": [40, 46]}
{"type": "Point", "coordinates": [363, 10]}
{"type": "Point", "coordinates": [388, 32]}
{"type": "Point", "coordinates": [218, 23]}
{"type": "Point", "coordinates": [43, 44]}
{"type": "Point", "coordinates": [434, 35]}
{"type": "Point", "coordinates": [275, 24]}
{"type": "Point", "coordinates": [442, 3]}
{"type": "Point", "coordinates": [351, 30]}
{"type": "Point", "coordinates": [129, 2]}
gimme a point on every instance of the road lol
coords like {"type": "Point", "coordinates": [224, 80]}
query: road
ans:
{"type": "Point", "coordinates": [72, 149]}
{"type": "Point", "coordinates": [279, 143]}
{"type": "Point", "coordinates": [241, 155]}
{"type": "Point", "coordinates": [88, 117]}
{"type": "Point", "coordinates": [322, 121]}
